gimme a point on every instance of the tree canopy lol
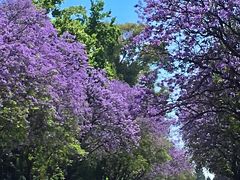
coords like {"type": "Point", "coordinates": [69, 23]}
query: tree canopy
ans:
{"type": "Point", "coordinates": [203, 43]}
{"type": "Point", "coordinates": [60, 114]}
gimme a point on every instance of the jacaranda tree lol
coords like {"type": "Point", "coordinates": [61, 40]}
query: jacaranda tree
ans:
{"type": "Point", "coordinates": [53, 104]}
{"type": "Point", "coordinates": [204, 57]}
{"type": "Point", "coordinates": [36, 139]}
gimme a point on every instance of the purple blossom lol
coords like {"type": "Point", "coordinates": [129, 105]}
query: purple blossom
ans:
{"type": "Point", "coordinates": [38, 68]}
{"type": "Point", "coordinates": [203, 42]}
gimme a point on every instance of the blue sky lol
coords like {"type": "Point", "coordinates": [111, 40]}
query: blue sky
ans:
{"type": "Point", "coordinates": [123, 10]}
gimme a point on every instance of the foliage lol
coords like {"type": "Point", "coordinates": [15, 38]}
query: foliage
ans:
{"type": "Point", "coordinates": [135, 59]}
{"type": "Point", "coordinates": [33, 141]}
{"type": "Point", "coordinates": [203, 43]}
{"type": "Point", "coordinates": [58, 112]}
{"type": "Point", "coordinates": [99, 36]}
{"type": "Point", "coordinates": [138, 162]}
{"type": "Point", "coordinates": [105, 41]}
{"type": "Point", "coordinates": [48, 5]}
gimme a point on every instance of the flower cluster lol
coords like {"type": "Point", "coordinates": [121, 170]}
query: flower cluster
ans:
{"type": "Point", "coordinates": [39, 68]}
{"type": "Point", "coordinates": [42, 73]}
{"type": "Point", "coordinates": [203, 43]}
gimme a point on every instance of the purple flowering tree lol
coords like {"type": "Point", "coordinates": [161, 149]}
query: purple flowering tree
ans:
{"type": "Point", "coordinates": [42, 68]}
{"type": "Point", "coordinates": [38, 131]}
{"type": "Point", "coordinates": [52, 104]}
{"type": "Point", "coordinates": [49, 95]}
{"type": "Point", "coordinates": [204, 57]}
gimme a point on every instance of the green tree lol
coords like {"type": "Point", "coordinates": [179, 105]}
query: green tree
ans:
{"type": "Point", "coordinates": [135, 163]}
{"type": "Point", "coordinates": [135, 59]}
{"type": "Point", "coordinates": [97, 31]}
{"type": "Point", "coordinates": [33, 143]}
{"type": "Point", "coordinates": [49, 5]}
{"type": "Point", "coordinates": [109, 46]}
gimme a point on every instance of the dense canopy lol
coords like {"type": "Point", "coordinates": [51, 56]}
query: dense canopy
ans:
{"type": "Point", "coordinates": [204, 58]}
{"type": "Point", "coordinates": [57, 111]}
{"type": "Point", "coordinates": [84, 98]}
